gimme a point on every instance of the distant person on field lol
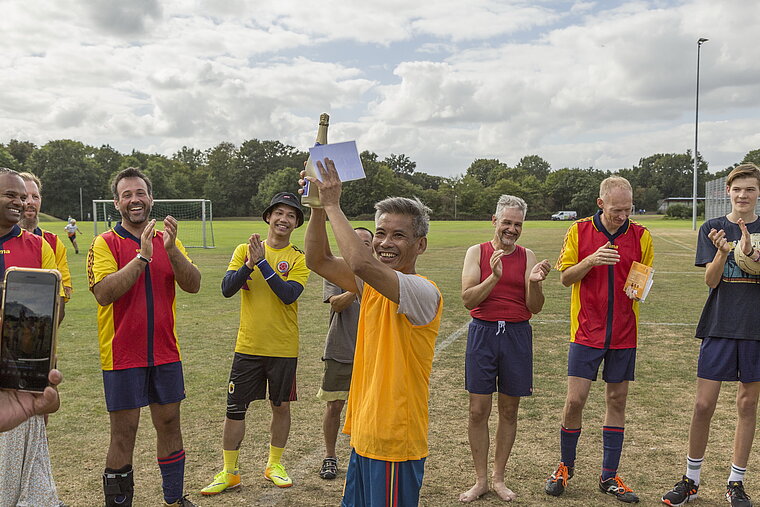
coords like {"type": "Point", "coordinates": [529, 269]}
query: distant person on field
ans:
{"type": "Point", "coordinates": [339, 360]}
{"type": "Point", "coordinates": [387, 414]}
{"type": "Point", "coordinates": [501, 286]}
{"type": "Point", "coordinates": [72, 230]}
{"type": "Point", "coordinates": [729, 328]}
{"type": "Point", "coordinates": [133, 271]}
{"type": "Point", "coordinates": [270, 276]}
{"type": "Point", "coordinates": [595, 260]}
{"type": "Point", "coordinates": [26, 476]}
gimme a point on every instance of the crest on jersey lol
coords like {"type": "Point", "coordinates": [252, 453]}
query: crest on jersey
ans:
{"type": "Point", "coordinates": [283, 267]}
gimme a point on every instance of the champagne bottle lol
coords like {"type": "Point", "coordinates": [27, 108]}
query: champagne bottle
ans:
{"type": "Point", "coordinates": [310, 195]}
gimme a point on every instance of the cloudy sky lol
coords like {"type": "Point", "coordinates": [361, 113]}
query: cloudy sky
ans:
{"type": "Point", "coordinates": [580, 83]}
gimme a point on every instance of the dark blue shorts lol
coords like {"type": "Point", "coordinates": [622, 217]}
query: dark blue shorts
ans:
{"type": "Point", "coordinates": [140, 387]}
{"type": "Point", "coordinates": [382, 483]}
{"type": "Point", "coordinates": [726, 359]}
{"type": "Point", "coordinates": [583, 361]}
{"type": "Point", "coordinates": [499, 351]}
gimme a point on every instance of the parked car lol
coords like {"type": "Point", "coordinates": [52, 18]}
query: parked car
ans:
{"type": "Point", "coordinates": [565, 215]}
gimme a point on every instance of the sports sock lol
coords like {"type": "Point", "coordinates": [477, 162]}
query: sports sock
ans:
{"type": "Point", "coordinates": [231, 460]}
{"type": "Point", "coordinates": [612, 438]}
{"type": "Point", "coordinates": [275, 453]}
{"type": "Point", "coordinates": [693, 468]}
{"type": "Point", "coordinates": [173, 475]}
{"type": "Point", "coordinates": [737, 473]}
{"type": "Point", "coordinates": [568, 442]}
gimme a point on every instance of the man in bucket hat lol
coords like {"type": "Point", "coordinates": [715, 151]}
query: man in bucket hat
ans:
{"type": "Point", "coordinates": [270, 276]}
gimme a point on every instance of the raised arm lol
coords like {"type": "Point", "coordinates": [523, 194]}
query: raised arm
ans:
{"type": "Point", "coordinates": [605, 255]}
{"type": "Point", "coordinates": [186, 274]}
{"type": "Point", "coordinates": [358, 257]}
{"type": "Point", "coordinates": [714, 269]}
{"type": "Point", "coordinates": [117, 283]}
{"type": "Point", "coordinates": [320, 259]}
{"type": "Point", "coordinates": [475, 291]}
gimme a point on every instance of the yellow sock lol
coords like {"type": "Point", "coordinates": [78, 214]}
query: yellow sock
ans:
{"type": "Point", "coordinates": [275, 453]}
{"type": "Point", "coordinates": [231, 461]}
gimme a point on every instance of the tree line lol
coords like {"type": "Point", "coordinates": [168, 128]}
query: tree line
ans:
{"type": "Point", "coordinates": [240, 180]}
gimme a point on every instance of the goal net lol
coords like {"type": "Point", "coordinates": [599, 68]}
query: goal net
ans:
{"type": "Point", "coordinates": [196, 228]}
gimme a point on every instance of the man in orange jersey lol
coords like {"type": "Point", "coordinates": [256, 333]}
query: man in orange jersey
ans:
{"type": "Point", "coordinates": [132, 271]}
{"type": "Point", "coordinates": [387, 414]}
{"type": "Point", "coordinates": [595, 260]}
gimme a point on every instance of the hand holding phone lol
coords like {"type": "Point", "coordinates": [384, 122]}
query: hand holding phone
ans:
{"type": "Point", "coordinates": [29, 328]}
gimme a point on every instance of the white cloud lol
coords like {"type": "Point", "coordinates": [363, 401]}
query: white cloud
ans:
{"type": "Point", "coordinates": [578, 82]}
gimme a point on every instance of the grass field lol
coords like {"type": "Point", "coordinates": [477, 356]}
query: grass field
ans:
{"type": "Point", "coordinates": [659, 405]}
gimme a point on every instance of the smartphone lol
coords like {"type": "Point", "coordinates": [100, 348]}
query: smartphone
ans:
{"type": "Point", "coordinates": [29, 329]}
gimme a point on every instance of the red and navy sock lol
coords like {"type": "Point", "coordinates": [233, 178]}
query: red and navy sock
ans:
{"type": "Point", "coordinates": [612, 438]}
{"type": "Point", "coordinates": [173, 474]}
{"type": "Point", "coordinates": [568, 442]}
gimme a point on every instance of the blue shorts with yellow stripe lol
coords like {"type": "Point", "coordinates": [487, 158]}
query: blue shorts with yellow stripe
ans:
{"type": "Point", "coordinates": [382, 483]}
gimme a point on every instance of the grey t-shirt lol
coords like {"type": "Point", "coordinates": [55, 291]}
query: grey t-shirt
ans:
{"type": "Point", "coordinates": [341, 335]}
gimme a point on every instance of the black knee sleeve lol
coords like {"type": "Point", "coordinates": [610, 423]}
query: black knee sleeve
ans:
{"type": "Point", "coordinates": [236, 411]}
{"type": "Point", "coordinates": [118, 486]}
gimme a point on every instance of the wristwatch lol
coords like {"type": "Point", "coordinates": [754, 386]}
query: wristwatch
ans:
{"type": "Point", "coordinates": [146, 260]}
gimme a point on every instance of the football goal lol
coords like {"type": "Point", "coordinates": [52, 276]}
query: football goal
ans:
{"type": "Point", "coordinates": [195, 217]}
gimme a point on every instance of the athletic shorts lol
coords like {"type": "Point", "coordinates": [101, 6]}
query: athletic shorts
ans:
{"type": "Point", "coordinates": [499, 352]}
{"type": "Point", "coordinates": [726, 359]}
{"type": "Point", "coordinates": [583, 361]}
{"type": "Point", "coordinates": [140, 387]}
{"type": "Point", "coordinates": [336, 380]}
{"type": "Point", "coordinates": [382, 483]}
{"type": "Point", "coordinates": [250, 377]}
{"type": "Point", "coordinates": [72, 237]}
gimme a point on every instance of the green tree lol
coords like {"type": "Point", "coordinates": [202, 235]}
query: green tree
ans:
{"type": "Point", "coordinates": [486, 170]}
{"type": "Point", "coordinates": [282, 180]}
{"type": "Point", "coordinates": [7, 160]}
{"type": "Point", "coordinates": [400, 164]}
{"type": "Point", "coordinates": [535, 166]}
{"type": "Point", "coordinates": [21, 150]}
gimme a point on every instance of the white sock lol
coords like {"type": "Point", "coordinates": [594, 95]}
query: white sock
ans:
{"type": "Point", "coordinates": [737, 473]}
{"type": "Point", "coordinates": [693, 468]}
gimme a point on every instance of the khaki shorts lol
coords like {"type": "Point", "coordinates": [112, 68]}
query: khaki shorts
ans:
{"type": "Point", "coordinates": [336, 380]}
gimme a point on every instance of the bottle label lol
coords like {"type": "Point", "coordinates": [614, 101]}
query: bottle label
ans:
{"type": "Point", "coordinates": [306, 185]}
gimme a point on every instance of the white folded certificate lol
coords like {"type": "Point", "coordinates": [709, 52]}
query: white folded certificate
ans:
{"type": "Point", "coordinates": [345, 156]}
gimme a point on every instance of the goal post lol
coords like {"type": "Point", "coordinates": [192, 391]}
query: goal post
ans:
{"type": "Point", "coordinates": [195, 217]}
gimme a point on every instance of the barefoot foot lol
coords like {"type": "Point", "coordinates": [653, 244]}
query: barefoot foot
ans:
{"type": "Point", "coordinates": [474, 493]}
{"type": "Point", "coordinates": [504, 492]}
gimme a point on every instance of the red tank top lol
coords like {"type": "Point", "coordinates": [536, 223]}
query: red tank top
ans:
{"type": "Point", "coordinates": [507, 299]}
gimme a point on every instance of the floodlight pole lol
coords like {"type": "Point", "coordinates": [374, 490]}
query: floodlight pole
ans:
{"type": "Point", "coordinates": [701, 41]}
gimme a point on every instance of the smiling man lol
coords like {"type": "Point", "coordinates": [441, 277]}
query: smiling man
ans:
{"type": "Point", "coordinates": [132, 270]}
{"type": "Point", "coordinates": [399, 318]}
{"type": "Point", "coordinates": [595, 260]}
{"type": "Point", "coordinates": [501, 286]}
{"type": "Point", "coordinates": [270, 276]}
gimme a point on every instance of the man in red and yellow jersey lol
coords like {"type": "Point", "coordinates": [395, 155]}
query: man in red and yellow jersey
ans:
{"type": "Point", "coordinates": [132, 270]}
{"type": "Point", "coordinates": [595, 260]}
{"type": "Point", "coordinates": [23, 480]}
{"type": "Point", "coordinates": [387, 414]}
{"type": "Point", "coordinates": [30, 222]}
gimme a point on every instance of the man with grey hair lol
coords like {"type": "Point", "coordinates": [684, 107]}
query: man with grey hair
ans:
{"type": "Point", "coordinates": [387, 414]}
{"type": "Point", "coordinates": [501, 286]}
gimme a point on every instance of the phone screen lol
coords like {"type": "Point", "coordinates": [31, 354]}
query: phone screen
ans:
{"type": "Point", "coordinates": [27, 330]}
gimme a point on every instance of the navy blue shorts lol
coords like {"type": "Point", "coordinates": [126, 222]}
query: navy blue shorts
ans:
{"type": "Point", "coordinates": [499, 351]}
{"type": "Point", "coordinates": [375, 482]}
{"type": "Point", "coordinates": [726, 359]}
{"type": "Point", "coordinates": [140, 387]}
{"type": "Point", "coordinates": [583, 361]}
